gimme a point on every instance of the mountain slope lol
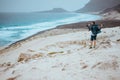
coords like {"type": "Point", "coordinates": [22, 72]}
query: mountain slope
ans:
{"type": "Point", "coordinates": [116, 8]}
{"type": "Point", "coordinates": [98, 5]}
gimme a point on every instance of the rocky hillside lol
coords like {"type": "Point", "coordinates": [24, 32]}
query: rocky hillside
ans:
{"type": "Point", "coordinates": [116, 8]}
{"type": "Point", "coordinates": [99, 5]}
{"type": "Point", "coordinates": [111, 13]}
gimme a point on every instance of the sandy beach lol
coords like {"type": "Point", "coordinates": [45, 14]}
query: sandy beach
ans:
{"type": "Point", "coordinates": [63, 53]}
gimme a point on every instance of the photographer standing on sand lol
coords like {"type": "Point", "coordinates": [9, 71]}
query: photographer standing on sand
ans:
{"type": "Point", "coordinates": [95, 29]}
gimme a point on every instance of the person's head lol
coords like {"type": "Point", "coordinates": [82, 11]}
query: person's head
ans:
{"type": "Point", "coordinates": [93, 23]}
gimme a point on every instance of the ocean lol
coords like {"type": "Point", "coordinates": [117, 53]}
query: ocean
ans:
{"type": "Point", "coordinates": [17, 26]}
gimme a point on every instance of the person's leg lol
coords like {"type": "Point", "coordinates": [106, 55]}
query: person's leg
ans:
{"type": "Point", "coordinates": [94, 42]}
{"type": "Point", "coordinates": [91, 42]}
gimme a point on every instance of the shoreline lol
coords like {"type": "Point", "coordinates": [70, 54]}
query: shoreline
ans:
{"type": "Point", "coordinates": [73, 27]}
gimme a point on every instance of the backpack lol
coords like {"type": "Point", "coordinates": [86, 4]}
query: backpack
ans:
{"type": "Point", "coordinates": [95, 29]}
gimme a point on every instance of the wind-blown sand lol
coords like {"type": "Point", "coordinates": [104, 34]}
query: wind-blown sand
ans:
{"type": "Point", "coordinates": [63, 57]}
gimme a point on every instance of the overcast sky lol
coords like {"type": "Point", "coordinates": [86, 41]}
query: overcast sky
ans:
{"type": "Point", "coordinates": [39, 5]}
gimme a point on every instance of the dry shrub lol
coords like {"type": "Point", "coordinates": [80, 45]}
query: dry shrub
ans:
{"type": "Point", "coordinates": [53, 53]}
{"type": "Point", "coordinates": [23, 57]}
{"type": "Point", "coordinates": [6, 64]}
{"type": "Point", "coordinates": [36, 56]}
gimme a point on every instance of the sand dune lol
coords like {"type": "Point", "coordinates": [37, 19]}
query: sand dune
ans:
{"type": "Point", "coordinates": [64, 57]}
